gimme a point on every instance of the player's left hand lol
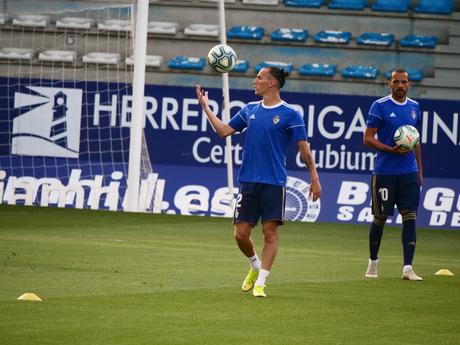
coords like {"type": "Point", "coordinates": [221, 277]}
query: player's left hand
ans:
{"type": "Point", "coordinates": [202, 96]}
{"type": "Point", "coordinates": [315, 190]}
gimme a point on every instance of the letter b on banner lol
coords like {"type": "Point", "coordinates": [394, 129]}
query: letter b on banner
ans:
{"type": "Point", "coordinates": [353, 193]}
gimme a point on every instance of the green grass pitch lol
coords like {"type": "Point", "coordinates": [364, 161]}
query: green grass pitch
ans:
{"type": "Point", "coordinates": [119, 279]}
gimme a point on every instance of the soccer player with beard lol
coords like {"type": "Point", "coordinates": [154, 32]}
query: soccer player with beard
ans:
{"type": "Point", "coordinates": [397, 175]}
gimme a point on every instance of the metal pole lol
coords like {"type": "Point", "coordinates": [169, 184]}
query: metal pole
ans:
{"type": "Point", "coordinates": [140, 51]}
{"type": "Point", "coordinates": [226, 107]}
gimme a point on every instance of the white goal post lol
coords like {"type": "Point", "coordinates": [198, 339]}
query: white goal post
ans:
{"type": "Point", "coordinates": [140, 52]}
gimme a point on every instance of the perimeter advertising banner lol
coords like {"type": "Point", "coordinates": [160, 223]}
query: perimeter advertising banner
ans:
{"type": "Point", "coordinates": [66, 144]}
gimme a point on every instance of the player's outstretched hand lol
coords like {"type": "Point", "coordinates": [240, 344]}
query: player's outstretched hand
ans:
{"type": "Point", "coordinates": [315, 190]}
{"type": "Point", "coordinates": [202, 96]}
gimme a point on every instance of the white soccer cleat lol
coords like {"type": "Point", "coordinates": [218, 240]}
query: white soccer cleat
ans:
{"type": "Point", "coordinates": [410, 275]}
{"type": "Point", "coordinates": [372, 269]}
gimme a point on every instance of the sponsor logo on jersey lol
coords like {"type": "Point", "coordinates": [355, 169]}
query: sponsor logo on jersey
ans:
{"type": "Point", "coordinates": [392, 115]}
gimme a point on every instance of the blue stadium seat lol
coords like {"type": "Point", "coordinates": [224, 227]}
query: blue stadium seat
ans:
{"type": "Point", "coordinates": [287, 66]}
{"type": "Point", "coordinates": [315, 69]}
{"type": "Point", "coordinates": [415, 74]}
{"type": "Point", "coordinates": [435, 6]}
{"type": "Point", "coordinates": [357, 5]}
{"type": "Point", "coordinates": [361, 72]}
{"type": "Point", "coordinates": [241, 66]}
{"type": "Point", "coordinates": [246, 32]}
{"type": "Point", "coordinates": [286, 34]}
{"type": "Point", "coordinates": [184, 62]}
{"type": "Point", "coordinates": [415, 41]}
{"type": "Point", "coordinates": [375, 38]}
{"type": "Point", "coordinates": [391, 5]}
{"type": "Point", "coordinates": [304, 3]}
{"type": "Point", "coordinates": [333, 37]}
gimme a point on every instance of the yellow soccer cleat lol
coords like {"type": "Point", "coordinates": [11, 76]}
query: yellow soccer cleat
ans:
{"type": "Point", "coordinates": [258, 291]}
{"type": "Point", "coordinates": [249, 281]}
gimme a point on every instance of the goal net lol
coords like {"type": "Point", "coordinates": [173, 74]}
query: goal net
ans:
{"type": "Point", "coordinates": [66, 72]}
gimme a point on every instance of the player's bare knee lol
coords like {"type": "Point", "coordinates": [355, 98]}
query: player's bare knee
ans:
{"type": "Point", "coordinates": [270, 238]}
{"type": "Point", "coordinates": [240, 235]}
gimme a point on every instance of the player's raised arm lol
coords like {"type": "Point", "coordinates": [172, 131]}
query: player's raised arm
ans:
{"type": "Point", "coordinates": [221, 128]}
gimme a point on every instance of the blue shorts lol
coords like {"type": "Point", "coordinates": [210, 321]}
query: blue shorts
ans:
{"type": "Point", "coordinates": [259, 201]}
{"type": "Point", "coordinates": [390, 190]}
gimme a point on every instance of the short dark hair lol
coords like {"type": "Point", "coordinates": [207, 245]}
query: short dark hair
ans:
{"type": "Point", "coordinates": [399, 70]}
{"type": "Point", "coordinates": [279, 74]}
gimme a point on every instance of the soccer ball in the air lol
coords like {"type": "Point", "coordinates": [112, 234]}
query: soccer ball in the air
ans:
{"type": "Point", "coordinates": [406, 137]}
{"type": "Point", "coordinates": [222, 58]}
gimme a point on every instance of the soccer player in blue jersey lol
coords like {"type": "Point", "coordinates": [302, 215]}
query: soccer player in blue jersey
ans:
{"type": "Point", "coordinates": [397, 173]}
{"type": "Point", "coordinates": [270, 125]}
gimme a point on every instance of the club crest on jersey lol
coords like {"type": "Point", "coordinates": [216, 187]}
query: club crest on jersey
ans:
{"type": "Point", "coordinates": [276, 119]}
{"type": "Point", "coordinates": [414, 114]}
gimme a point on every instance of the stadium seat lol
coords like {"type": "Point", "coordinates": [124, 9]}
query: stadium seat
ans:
{"type": "Point", "coordinates": [74, 23]}
{"type": "Point", "coordinates": [356, 5]}
{"type": "Point", "coordinates": [202, 30]}
{"type": "Point", "coordinates": [31, 20]}
{"type": "Point", "coordinates": [261, 2]}
{"type": "Point", "coordinates": [375, 38]}
{"type": "Point", "coordinates": [166, 28]}
{"type": "Point", "coordinates": [185, 62]}
{"type": "Point", "coordinates": [287, 34]}
{"type": "Point", "coordinates": [4, 19]}
{"type": "Point", "coordinates": [415, 74]}
{"type": "Point", "coordinates": [226, 1]}
{"type": "Point", "coordinates": [17, 53]}
{"type": "Point", "coordinates": [102, 58]}
{"type": "Point", "coordinates": [303, 3]}
{"type": "Point", "coordinates": [246, 32]}
{"type": "Point", "coordinates": [150, 60]}
{"type": "Point", "coordinates": [57, 56]}
{"type": "Point", "coordinates": [435, 6]}
{"type": "Point", "coordinates": [286, 66]}
{"type": "Point", "coordinates": [333, 37]}
{"type": "Point", "coordinates": [415, 41]}
{"type": "Point", "coordinates": [115, 25]}
{"type": "Point", "coordinates": [241, 66]}
{"type": "Point", "coordinates": [315, 69]}
{"type": "Point", "coordinates": [361, 72]}
{"type": "Point", "coordinates": [391, 5]}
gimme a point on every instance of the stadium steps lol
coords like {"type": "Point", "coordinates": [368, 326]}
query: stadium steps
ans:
{"type": "Point", "coordinates": [446, 65]}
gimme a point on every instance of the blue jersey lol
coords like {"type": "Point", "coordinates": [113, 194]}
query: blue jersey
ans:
{"type": "Point", "coordinates": [269, 131]}
{"type": "Point", "coordinates": [387, 115]}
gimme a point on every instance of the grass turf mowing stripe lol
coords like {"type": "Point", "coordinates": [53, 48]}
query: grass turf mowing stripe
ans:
{"type": "Point", "coordinates": [121, 278]}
